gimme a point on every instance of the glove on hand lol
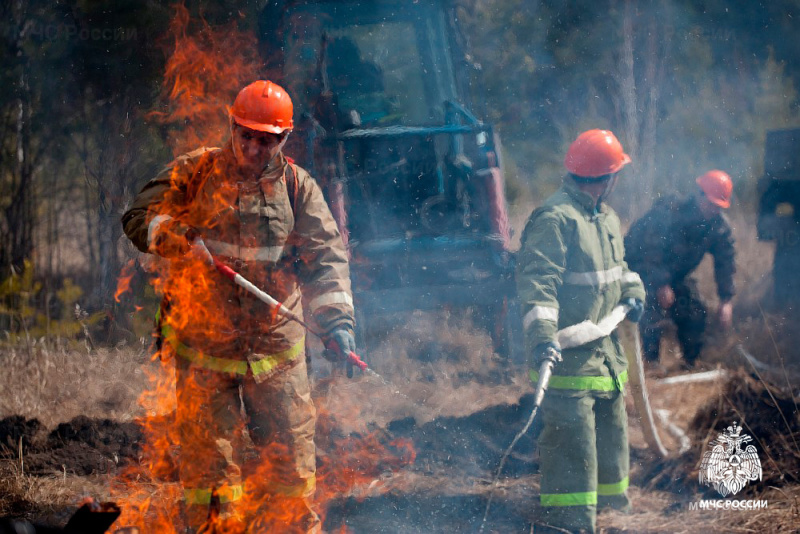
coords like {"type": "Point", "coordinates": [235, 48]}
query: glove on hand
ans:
{"type": "Point", "coordinates": [172, 239]}
{"type": "Point", "coordinates": [636, 311]}
{"type": "Point", "coordinates": [546, 351]}
{"type": "Point", "coordinates": [339, 344]}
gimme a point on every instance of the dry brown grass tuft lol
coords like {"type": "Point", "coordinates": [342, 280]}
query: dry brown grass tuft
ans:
{"type": "Point", "coordinates": [44, 498]}
{"type": "Point", "coordinates": [664, 512]}
{"type": "Point", "coordinates": [55, 384]}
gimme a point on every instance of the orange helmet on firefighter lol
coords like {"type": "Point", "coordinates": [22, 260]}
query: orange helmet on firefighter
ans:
{"type": "Point", "coordinates": [717, 187]}
{"type": "Point", "coordinates": [263, 106]}
{"type": "Point", "coordinates": [595, 153]}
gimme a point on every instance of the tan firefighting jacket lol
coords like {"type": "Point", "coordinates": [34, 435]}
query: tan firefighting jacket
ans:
{"type": "Point", "coordinates": [290, 248]}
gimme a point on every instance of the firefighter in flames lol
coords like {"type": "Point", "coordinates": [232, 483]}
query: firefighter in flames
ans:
{"type": "Point", "coordinates": [241, 369]}
{"type": "Point", "coordinates": [570, 269]}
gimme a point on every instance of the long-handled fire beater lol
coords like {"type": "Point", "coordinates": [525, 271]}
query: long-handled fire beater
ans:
{"type": "Point", "coordinates": [575, 336]}
{"type": "Point", "coordinates": [263, 296]}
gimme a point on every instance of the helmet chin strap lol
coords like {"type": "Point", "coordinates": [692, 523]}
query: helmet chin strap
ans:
{"type": "Point", "coordinates": [280, 147]}
{"type": "Point", "coordinates": [236, 153]}
{"type": "Point", "coordinates": [612, 183]}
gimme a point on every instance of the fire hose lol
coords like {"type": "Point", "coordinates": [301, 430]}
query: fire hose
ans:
{"type": "Point", "coordinates": [575, 336]}
{"type": "Point", "coordinates": [352, 358]}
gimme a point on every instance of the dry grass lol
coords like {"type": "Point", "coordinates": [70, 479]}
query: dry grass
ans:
{"type": "Point", "coordinates": [436, 365]}
{"type": "Point", "coordinates": [659, 512]}
{"type": "Point", "coordinates": [44, 497]}
{"type": "Point", "coordinates": [53, 383]}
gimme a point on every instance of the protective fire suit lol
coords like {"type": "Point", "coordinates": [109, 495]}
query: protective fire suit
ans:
{"type": "Point", "coordinates": [664, 247]}
{"type": "Point", "coordinates": [571, 268]}
{"type": "Point", "coordinates": [232, 350]}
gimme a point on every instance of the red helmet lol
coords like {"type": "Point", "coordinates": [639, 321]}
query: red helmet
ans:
{"type": "Point", "coordinates": [595, 153]}
{"type": "Point", "coordinates": [263, 106]}
{"type": "Point", "coordinates": [717, 186]}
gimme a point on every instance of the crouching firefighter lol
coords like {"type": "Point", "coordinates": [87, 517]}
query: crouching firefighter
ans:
{"type": "Point", "coordinates": [240, 367]}
{"type": "Point", "coordinates": [666, 245]}
{"type": "Point", "coordinates": [571, 269]}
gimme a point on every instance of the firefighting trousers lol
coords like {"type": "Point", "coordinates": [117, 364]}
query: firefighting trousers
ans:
{"type": "Point", "coordinates": [584, 458]}
{"type": "Point", "coordinates": [247, 447]}
{"type": "Point", "coordinates": [689, 316]}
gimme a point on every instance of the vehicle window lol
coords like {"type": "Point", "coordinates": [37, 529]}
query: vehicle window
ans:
{"type": "Point", "coordinates": [374, 70]}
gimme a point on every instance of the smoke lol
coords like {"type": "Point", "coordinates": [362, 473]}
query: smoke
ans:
{"type": "Point", "coordinates": [685, 89]}
{"type": "Point", "coordinates": [435, 364]}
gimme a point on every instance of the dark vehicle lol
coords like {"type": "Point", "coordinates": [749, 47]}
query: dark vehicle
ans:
{"type": "Point", "coordinates": [412, 176]}
{"type": "Point", "coordinates": [779, 211]}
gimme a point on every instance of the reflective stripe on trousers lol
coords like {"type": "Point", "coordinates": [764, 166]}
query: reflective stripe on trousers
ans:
{"type": "Point", "coordinates": [261, 366]}
{"type": "Point", "coordinates": [589, 383]}
{"type": "Point", "coordinates": [584, 457]}
{"type": "Point", "coordinates": [586, 498]}
{"type": "Point", "coordinates": [202, 496]}
{"type": "Point", "coordinates": [228, 494]}
{"type": "Point", "coordinates": [618, 488]}
{"type": "Point", "coordinates": [304, 489]}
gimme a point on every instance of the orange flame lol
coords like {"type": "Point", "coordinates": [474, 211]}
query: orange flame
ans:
{"type": "Point", "coordinates": [203, 74]}
{"type": "Point", "coordinates": [124, 280]}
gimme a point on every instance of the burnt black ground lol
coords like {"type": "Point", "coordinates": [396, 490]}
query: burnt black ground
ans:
{"type": "Point", "coordinates": [425, 512]}
{"type": "Point", "coordinates": [459, 451]}
{"type": "Point", "coordinates": [462, 453]}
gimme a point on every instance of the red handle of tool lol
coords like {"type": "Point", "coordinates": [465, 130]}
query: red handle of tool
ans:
{"type": "Point", "coordinates": [353, 358]}
{"type": "Point", "coordinates": [227, 272]}
{"type": "Point", "coordinates": [224, 270]}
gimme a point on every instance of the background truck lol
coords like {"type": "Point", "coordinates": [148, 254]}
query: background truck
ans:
{"type": "Point", "coordinates": [413, 177]}
{"type": "Point", "coordinates": [779, 212]}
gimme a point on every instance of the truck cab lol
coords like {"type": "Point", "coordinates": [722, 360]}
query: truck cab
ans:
{"type": "Point", "coordinates": [412, 176]}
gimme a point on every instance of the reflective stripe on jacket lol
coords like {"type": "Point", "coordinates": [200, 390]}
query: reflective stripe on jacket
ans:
{"type": "Point", "coordinates": [571, 268]}
{"type": "Point", "coordinates": [261, 365]}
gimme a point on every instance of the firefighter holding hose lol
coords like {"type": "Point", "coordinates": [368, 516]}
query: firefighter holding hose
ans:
{"type": "Point", "coordinates": [266, 218]}
{"type": "Point", "coordinates": [571, 270]}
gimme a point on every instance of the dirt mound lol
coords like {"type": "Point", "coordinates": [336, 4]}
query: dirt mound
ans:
{"type": "Point", "coordinates": [764, 412]}
{"type": "Point", "coordinates": [82, 446]}
{"type": "Point", "coordinates": [18, 432]}
{"type": "Point", "coordinates": [85, 446]}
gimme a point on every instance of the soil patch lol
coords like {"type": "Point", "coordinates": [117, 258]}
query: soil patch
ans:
{"type": "Point", "coordinates": [82, 446]}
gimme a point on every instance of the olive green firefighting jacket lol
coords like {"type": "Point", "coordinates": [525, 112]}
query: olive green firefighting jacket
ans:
{"type": "Point", "coordinates": [290, 248]}
{"type": "Point", "coordinates": [570, 269]}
